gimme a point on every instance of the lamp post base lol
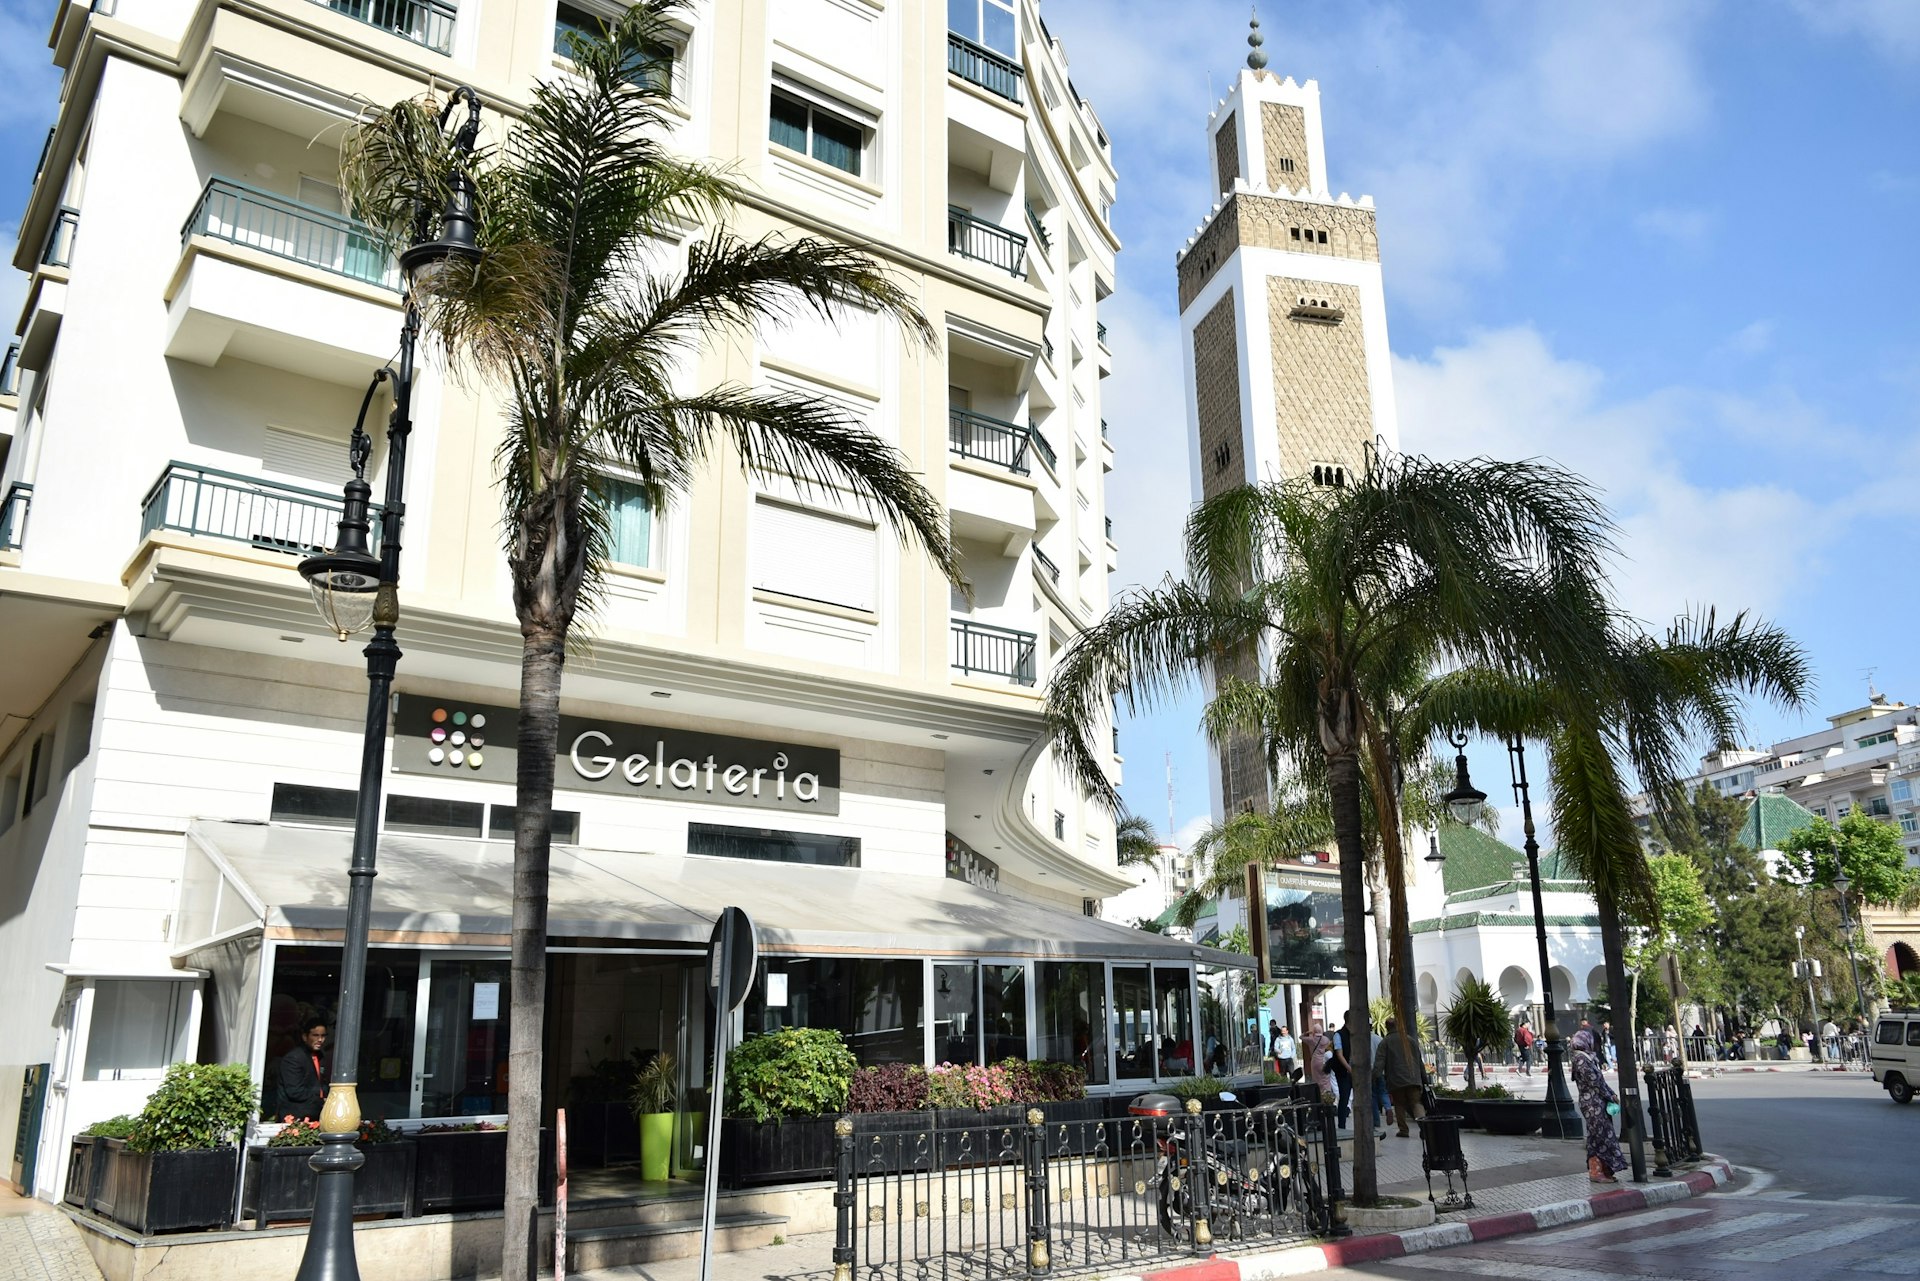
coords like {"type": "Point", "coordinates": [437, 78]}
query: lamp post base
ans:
{"type": "Point", "coordinates": [329, 1254]}
{"type": "Point", "coordinates": [1561, 1119]}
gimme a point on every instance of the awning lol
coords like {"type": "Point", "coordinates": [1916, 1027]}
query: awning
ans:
{"type": "Point", "coordinates": [295, 878]}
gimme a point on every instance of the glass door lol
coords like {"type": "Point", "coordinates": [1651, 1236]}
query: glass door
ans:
{"type": "Point", "coordinates": [1173, 1005]}
{"type": "Point", "coordinates": [1133, 1044]}
{"type": "Point", "coordinates": [956, 1012]}
{"type": "Point", "coordinates": [460, 1037]}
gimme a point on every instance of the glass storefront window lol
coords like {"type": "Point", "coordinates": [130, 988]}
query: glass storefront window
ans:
{"type": "Point", "coordinates": [1133, 1023]}
{"type": "Point", "coordinates": [878, 1005]}
{"type": "Point", "coordinates": [1229, 1040]}
{"type": "Point", "coordinates": [464, 1068]}
{"type": "Point", "coordinates": [1173, 1008]}
{"type": "Point", "coordinates": [956, 1012]}
{"type": "Point", "coordinates": [1072, 1004]}
{"type": "Point", "coordinates": [306, 984]}
{"type": "Point", "coordinates": [1003, 1010]}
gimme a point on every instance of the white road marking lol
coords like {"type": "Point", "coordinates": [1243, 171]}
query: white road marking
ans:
{"type": "Point", "coordinates": [1733, 1225]}
{"type": "Point", "coordinates": [1904, 1264]}
{"type": "Point", "coordinates": [1619, 1223]}
{"type": "Point", "coordinates": [1519, 1271]}
{"type": "Point", "coordinates": [1867, 1199]}
{"type": "Point", "coordinates": [1792, 1247]}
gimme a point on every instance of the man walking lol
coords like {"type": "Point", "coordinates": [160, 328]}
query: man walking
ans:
{"type": "Point", "coordinates": [1284, 1052]}
{"type": "Point", "coordinates": [1400, 1057]}
{"type": "Point", "coordinates": [1523, 1042]}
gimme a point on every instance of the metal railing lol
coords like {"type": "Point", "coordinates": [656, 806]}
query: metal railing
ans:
{"type": "Point", "coordinates": [1100, 332]}
{"type": "Point", "coordinates": [1671, 1121]}
{"type": "Point", "coordinates": [987, 242]}
{"type": "Point", "coordinates": [1103, 429]}
{"type": "Point", "coordinates": [1046, 562]}
{"type": "Point", "coordinates": [1039, 232]}
{"type": "Point", "coordinates": [981, 66]}
{"type": "Point", "coordinates": [243, 215]}
{"type": "Point", "coordinates": [985, 650]}
{"type": "Point", "coordinates": [1021, 1196]}
{"type": "Point", "coordinates": [1109, 529]}
{"type": "Point", "coordinates": [1042, 448]}
{"type": "Point", "coordinates": [10, 371]}
{"type": "Point", "coordinates": [46, 149]}
{"type": "Point", "coordinates": [59, 248]}
{"type": "Point", "coordinates": [1046, 348]}
{"type": "Point", "coordinates": [425, 22]}
{"type": "Point", "coordinates": [991, 440]}
{"type": "Point", "coordinates": [244, 509]}
{"type": "Point", "coordinates": [13, 515]}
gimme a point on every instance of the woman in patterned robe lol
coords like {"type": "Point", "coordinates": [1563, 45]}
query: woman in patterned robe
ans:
{"type": "Point", "coordinates": [1604, 1158]}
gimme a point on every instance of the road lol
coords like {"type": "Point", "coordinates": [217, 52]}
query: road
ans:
{"type": "Point", "coordinates": [1830, 1187]}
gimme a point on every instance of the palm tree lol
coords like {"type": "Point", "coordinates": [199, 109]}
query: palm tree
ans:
{"type": "Point", "coordinates": [1134, 842]}
{"type": "Point", "coordinates": [1633, 713]}
{"type": "Point", "coordinates": [568, 314]}
{"type": "Point", "coordinates": [1472, 562]}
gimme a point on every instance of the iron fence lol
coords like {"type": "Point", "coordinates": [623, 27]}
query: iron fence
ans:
{"type": "Point", "coordinates": [981, 66]}
{"type": "Point", "coordinates": [244, 509]}
{"type": "Point", "coordinates": [243, 215]}
{"type": "Point", "coordinates": [987, 242]}
{"type": "Point", "coordinates": [1027, 1197]}
{"type": "Point", "coordinates": [983, 649]}
{"type": "Point", "coordinates": [990, 440]}
{"type": "Point", "coordinates": [1671, 1121]}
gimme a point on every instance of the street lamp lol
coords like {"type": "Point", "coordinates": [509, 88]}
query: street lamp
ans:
{"type": "Point", "coordinates": [1465, 800]}
{"type": "Point", "coordinates": [354, 589]}
{"type": "Point", "coordinates": [1842, 884]}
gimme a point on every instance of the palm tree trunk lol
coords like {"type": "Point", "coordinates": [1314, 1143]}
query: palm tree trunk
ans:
{"type": "Point", "coordinates": [543, 656]}
{"type": "Point", "coordinates": [1343, 794]}
{"type": "Point", "coordinates": [1396, 945]}
{"type": "Point", "coordinates": [1613, 945]}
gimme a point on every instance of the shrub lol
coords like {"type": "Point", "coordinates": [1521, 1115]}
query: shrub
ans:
{"type": "Point", "coordinates": [1197, 1087]}
{"type": "Point", "coordinates": [890, 1087]}
{"type": "Point", "coordinates": [963, 1085]}
{"type": "Point", "coordinates": [114, 1127]}
{"type": "Point", "coordinates": [462, 1127]}
{"type": "Point", "coordinates": [1059, 1082]}
{"type": "Point", "coordinates": [1493, 1091]}
{"type": "Point", "coordinates": [791, 1072]}
{"type": "Point", "coordinates": [198, 1105]}
{"type": "Point", "coordinates": [1476, 1019]}
{"type": "Point", "coordinates": [298, 1132]}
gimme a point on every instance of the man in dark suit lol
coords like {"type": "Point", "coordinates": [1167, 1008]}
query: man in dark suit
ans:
{"type": "Point", "coordinates": [304, 1073]}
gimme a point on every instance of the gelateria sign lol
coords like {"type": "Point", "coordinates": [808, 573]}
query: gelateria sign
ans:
{"type": "Point", "coordinates": [446, 737]}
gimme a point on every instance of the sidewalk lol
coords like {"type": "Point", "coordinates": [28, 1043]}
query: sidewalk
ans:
{"type": "Point", "coordinates": [1518, 1185]}
{"type": "Point", "coordinates": [39, 1243]}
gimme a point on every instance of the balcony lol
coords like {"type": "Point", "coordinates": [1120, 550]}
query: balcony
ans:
{"type": "Point", "coordinates": [243, 215]}
{"type": "Point", "coordinates": [988, 440]}
{"type": "Point", "coordinates": [981, 66]}
{"type": "Point", "coordinates": [981, 649]}
{"type": "Point", "coordinates": [987, 242]}
{"type": "Point", "coordinates": [13, 516]}
{"type": "Point", "coordinates": [1042, 448]}
{"type": "Point", "coordinates": [1039, 232]}
{"type": "Point", "coordinates": [10, 371]}
{"type": "Point", "coordinates": [58, 251]}
{"type": "Point", "coordinates": [1045, 562]}
{"type": "Point", "coordinates": [1100, 333]}
{"type": "Point", "coordinates": [263, 514]}
{"type": "Point", "coordinates": [425, 22]}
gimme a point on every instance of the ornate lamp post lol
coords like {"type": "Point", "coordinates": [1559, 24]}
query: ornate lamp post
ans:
{"type": "Point", "coordinates": [1562, 1120]}
{"type": "Point", "coordinates": [354, 589]}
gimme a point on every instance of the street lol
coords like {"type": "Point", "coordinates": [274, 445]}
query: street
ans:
{"type": "Point", "coordinates": [1829, 1187]}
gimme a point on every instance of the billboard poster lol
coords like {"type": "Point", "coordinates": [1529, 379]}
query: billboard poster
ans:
{"type": "Point", "coordinates": [1305, 938]}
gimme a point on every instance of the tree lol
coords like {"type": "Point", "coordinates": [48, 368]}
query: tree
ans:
{"type": "Point", "coordinates": [1470, 562]}
{"type": "Point", "coordinates": [1868, 850]}
{"type": "Point", "coordinates": [1476, 1019]}
{"type": "Point", "coordinates": [570, 313]}
{"type": "Point", "coordinates": [1134, 842]}
{"type": "Point", "coordinates": [1681, 918]}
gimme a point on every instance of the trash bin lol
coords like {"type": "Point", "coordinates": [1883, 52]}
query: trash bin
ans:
{"type": "Point", "coordinates": [1440, 1150]}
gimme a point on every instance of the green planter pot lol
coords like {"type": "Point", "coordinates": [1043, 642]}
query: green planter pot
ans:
{"type": "Point", "coordinates": [656, 1146]}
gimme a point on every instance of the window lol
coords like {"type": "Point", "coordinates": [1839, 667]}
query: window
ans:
{"type": "Point", "coordinates": [1222, 456]}
{"type": "Point", "coordinates": [1003, 1011]}
{"type": "Point", "coordinates": [770, 846]}
{"type": "Point", "coordinates": [1887, 1032]}
{"type": "Point", "coordinates": [814, 555]}
{"type": "Point", "coordinates": [39, 772]}
{"type": "Point", "coordinates": [1841, 809]}
{"type": "Point", "coordinates": [1902, 789]}
{"type": "Point", "coordinates": [877, 1005]}
{"type": "Point", "coordinates": [1286, 164]}
{"type": "Point", "coordinates": [1878, 807]}
{"type": "Point", "coordinates": [1909, 824]}
{"type": "Point", "coordinates": [564, 824]}
{"type": "Point", "coordinates": [629, 525]}
{"type": "Point", "coordinates": [956, 1012]}
{"type": "Point", "coordinates": [1133, 1040]}
{"type": "Point", "coordinates": [1329, 474]}
{"type": "Point", "coordinates": [652, 69]}
{"type": "Point", "coordinates": [9, 800]}
{"type": "Point", "coordinates": [812, 130]}
{"type": "Point", "coordinates": [1875, 740]}
{"type": "Point", "coordinates": [988, 23]}
{"type": "Point", "coordinates": [1072, 1010]}
{"type": "Point", "coordinates": [323, 806]}
{"type": "Point", "coordinates": [1913, 1033]}
{"type": "Point", "coordinates": [433, 816]}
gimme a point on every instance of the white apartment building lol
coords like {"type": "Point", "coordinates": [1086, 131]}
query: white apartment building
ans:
{"type": "Point", "coordinates": [181, 738]}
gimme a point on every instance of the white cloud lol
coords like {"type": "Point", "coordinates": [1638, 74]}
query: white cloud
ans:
{"type": "Point", "coordinates": [1749, 340]}
{"type": "Point", "coordinates": [1891, 27]}
{"type": "Point", "coordinates": [1684, 225]}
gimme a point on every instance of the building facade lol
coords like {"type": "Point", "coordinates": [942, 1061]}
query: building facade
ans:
{"type": "Point", "coordinates": [839, 741]}
{"type": "Point", "coordinates": [1283, 328]}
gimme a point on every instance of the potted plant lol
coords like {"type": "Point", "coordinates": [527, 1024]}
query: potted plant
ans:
{"type": "Point", "coordinates": [656, 1091]}
{"type": "Point", "coordinates": [280, 1183]}
{"type": "Point", "coordinates": [1496, 1111]}
{"type": "Point", "coordinates": [1476, 1020]}
{"type": "Point", "coordinates": [83, 1172]}
{"type": "Point", "coordinates": [175, 1170]}
{"type": "Point", "coordinates": [784, 1090]}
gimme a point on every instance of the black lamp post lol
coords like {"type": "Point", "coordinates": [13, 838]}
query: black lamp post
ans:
{"type": "Point", "coordinates": [354, 589]}
{"type": "Point", "coordinates": [1842, 884]}
{"type": "Point", "coordinates": [1562, 1120]}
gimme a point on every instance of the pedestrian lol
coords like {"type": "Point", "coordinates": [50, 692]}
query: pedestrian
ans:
{"type": "Point", "coordinates": [1597, 1109]}
{"type": "Point", "coordinates": [1781, 1045]}
{"type": "Point", "coordinates": [1830, 1034]}
{"type": "Point", "coordinates": [1284, 1053]}
{"type": "Point", "coordinates": [304, 1073]}
{"type": "Point", "coordinates": [1342, 1069]}
{"type": "Point", "coordinates": [1403, 1074]}
{"type": "Point", "coordinates": [1319, 1052]}
{"type": "Point", "coordinates": [1523, 1042]}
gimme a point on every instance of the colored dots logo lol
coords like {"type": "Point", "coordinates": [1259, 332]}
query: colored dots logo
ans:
{"type": "Point", "coordinates": [456, 738]}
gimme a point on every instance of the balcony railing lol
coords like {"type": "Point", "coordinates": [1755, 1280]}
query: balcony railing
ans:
{"type": "Point", "coordinates": [982, 66]}
{"type": "Point", "coordinates": [244, 509]}
{"type": "Point", "coordinates": [1109, 529]}
{"type": "Point", "coordinates": [980, 649]}
{"type": "Point", "coordinates": [991, 440]}
{"type": "Point", "coordinates": [1100, 332]}
{"type": "Point", "coordinates": [13, 515]}
{"type": "Point", "coordinates": [1046, 562]}
{"type": "Point", "coordinates": [987, 242]}
{"type": "Point", "coordinates": [10, 371]}
{"type": "Point", "coordinates": [425, 22]}
{"type": "Point", "coordinates": [1042, 448]}
{"type": "Point", "coordinates": [243, 215]}
{"type": "Point", "coordinates": [1039, 232]}
{"type": "Point", "coordinates": [59, 249]}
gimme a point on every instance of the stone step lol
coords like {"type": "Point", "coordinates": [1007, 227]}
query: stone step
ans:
{"type": "Point", "coordinates": [613, 1245]}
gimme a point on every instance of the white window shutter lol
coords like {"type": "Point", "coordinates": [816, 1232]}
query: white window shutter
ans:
{"type": "Point", "coordinates": [314, 458]}
{"type": "Point", "coordinates": [814, 555]}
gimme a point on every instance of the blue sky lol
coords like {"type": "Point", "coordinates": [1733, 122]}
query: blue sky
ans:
{"type": "Point", "coordinates": [1669, 245]}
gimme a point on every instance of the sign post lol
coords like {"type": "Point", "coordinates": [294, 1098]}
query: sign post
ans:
{"type": "Point", "coordinates": [733, 954]}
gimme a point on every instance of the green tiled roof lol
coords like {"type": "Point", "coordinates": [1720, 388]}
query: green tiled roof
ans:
{"type": "Point", "coordinates": [1476, 861]}
{"type": "Point", "coordinates": [1771, 819]}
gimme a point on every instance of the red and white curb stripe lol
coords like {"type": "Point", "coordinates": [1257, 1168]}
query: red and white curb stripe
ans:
{"type": "Point", "coordinates": [1300, 1260]}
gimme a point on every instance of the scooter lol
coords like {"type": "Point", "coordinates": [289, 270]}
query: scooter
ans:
{"type": "Point", "coordinates": [1236, 1185]}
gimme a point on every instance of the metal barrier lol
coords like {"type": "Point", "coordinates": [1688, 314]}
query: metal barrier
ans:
{"type": "Point", "coordinates": [993, 651]}
{"type": "Point", "coordinates": [425, 22]}
{"type": "Point", "coordinates": [1671, 1121]}
{"type": "Point", "coordinates": [10, 371]}
{"type": "Point", "coordinates": [244, 509]}
{"type": "Point", "coordinates": [243, 215]}
{"type": "Point", "coordinates": [987, 242]}
{"type": "Point", "coordinates": [981, 66]}
{"type": "Point", "coordinates": [922, 1199]}
{"type": "Point", "coordinates": [59, 248]}
{"type": "Point", "coordinates": [13, 515]}
{"type": "Point", "coordinates": [989, 440]}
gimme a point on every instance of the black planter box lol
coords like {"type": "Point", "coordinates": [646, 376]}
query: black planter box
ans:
{"type": "Point", "coordinates": [281, 1183]}
{"type": "Point", "coordinates": [152, 1192]}
{"type": "Point", "coordinates": [1067, 1111]}
{"type": "Point", "coordinates": [1509, 1116]}
{"type": "Point", "coordinates": [467, 1170]}
{"type": "Point", "coordinates": [797, 1150]}
{"type": "Point", "coordinates": [79, 1189]}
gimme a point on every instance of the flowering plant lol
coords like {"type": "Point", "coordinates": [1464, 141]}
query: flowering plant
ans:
{"type": "Point", "coordinates": [299, 1132]}
{"type": "Point", "coordinates": [958, 1085]}
{"type": "Point", "coordinates": [468, 1127]}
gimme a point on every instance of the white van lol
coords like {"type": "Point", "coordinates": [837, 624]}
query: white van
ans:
{"type": "Point", "coordinates": [1896, 1053]}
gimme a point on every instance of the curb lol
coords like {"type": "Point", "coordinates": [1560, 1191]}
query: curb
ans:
{"type": "Point", "coordinates": [1301, 1260]}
